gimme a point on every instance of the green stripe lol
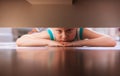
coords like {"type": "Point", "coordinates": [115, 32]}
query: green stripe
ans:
{"type": "Point", "coordinates": [50, 34]}
{"type": "Point", "coordinates": [81, 33]}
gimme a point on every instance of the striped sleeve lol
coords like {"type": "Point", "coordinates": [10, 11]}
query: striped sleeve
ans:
{"type": "Point", "coordinates": [50, 32]}
{"type": "Point", "coordinates": [81, 33]}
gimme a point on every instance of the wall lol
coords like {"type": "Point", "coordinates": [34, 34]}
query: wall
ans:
{"type": "Point", "coordinates": [90, 13]}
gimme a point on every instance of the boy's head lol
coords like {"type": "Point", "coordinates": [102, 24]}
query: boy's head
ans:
{"type": "Point", "coordinates": [64, 34]}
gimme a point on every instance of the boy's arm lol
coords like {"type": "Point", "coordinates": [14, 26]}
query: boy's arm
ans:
{"type": "Point", "coordinates": [92, 38]}
{"type": "Point", "coordinates": [36, 39]}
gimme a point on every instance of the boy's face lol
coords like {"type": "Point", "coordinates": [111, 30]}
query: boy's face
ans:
{"type": "Point", "coordinates": [64, 34]}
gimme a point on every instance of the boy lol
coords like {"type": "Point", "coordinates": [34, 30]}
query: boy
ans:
{"type": "Point", "coordinates": [66, 37]}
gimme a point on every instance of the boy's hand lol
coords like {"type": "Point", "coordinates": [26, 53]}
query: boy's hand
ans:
{"type": "Point", "coordinates": [55, 44]}
{"type": "Point", "coordinates": [63, 44]}
{"type": "Point", "coordinates": [67, 44]}
{"type": "Point", "coordinates": [71, 44]}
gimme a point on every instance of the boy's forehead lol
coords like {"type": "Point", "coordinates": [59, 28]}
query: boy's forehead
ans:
{"type": "Point", "coordinates": [62, 28]}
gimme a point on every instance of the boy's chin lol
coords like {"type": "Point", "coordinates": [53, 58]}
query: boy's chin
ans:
{"type": "Point", "coordinates": [64, 40]}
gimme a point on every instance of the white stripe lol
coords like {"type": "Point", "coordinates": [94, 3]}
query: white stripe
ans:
{"type": "Point", "coordinates": [75, 48]}
{"type": "Point", "coordinates": [97, 48]}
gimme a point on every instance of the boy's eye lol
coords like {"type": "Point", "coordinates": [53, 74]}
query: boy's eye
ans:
{"type": "Point", "coordinates": [69, 30]}
{"type": "Point", "coordinates": [59, 31]}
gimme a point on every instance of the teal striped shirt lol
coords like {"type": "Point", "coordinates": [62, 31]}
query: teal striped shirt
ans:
{"type": "Point", "coordinates": [79, 34]}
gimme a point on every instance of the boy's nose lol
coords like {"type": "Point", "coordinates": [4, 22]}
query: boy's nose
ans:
{"type": "Point", "coordinates": [64, 36]}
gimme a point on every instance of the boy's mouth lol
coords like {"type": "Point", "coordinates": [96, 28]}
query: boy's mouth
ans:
{"type": "Point", "coordinates": [64, 40]}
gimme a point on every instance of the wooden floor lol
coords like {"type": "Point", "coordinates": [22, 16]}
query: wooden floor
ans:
{"type": "Point", "coordinates": [59, 61]}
